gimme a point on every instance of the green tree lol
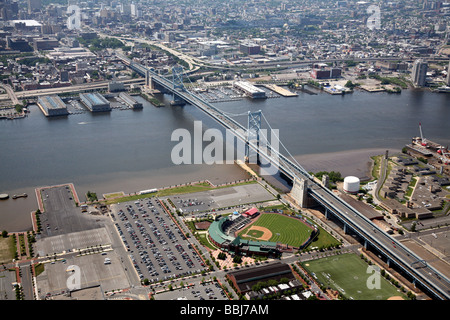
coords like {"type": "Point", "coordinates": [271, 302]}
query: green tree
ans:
{"type": "Point", "coordinates": [350, 84]}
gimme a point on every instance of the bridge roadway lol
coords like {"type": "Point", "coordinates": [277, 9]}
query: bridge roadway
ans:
{"type": "Point", "coordinates": [85, 87]}
{"type": "Point", "coordinates": [425, 275]}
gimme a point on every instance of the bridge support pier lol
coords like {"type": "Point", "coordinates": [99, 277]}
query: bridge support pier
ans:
{"type": "Point", "coordinates": [149, 80]}
{"type": "Point", "coordinates": [345, 229]}
{"type": "Point", "coordinates": [177, 101]}
{"type": "Point", "coordinates": [327, 215]}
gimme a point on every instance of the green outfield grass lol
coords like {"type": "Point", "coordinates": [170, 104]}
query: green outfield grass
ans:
{"type": "Point", "coordinates": [284, 229]}
{"type": "Point", "coordinates": [323, 240]}
{"type": "Point", "coordinates": [348, 274]}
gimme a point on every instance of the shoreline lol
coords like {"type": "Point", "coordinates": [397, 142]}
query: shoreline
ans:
{"type": "Point", "coordinates": [351, 162]}
{"type": "Point", "coordinates": [355, 162]}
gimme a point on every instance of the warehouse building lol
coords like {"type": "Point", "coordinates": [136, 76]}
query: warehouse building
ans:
{"type": "Point", "coordinates": [249, 48]}
{"type": "Point", "coordinates": [130, 101]}
{"type": "Point", "coordinates": [116, 86]}
{"type": "Point", "coordinates": [95, 102]}
{"type": "Point", "coordinates": [250, 90]}
{"type": "Point", "coordinates": [329, 73]}
{"type": "Point", "coordinates": [245, 280]}
{"type": "Point", "coordinates": [52, 106]}
{"type": "Point", "coordinates": [45, 43]}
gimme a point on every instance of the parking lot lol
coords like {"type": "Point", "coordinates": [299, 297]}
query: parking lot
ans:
{"type": "Point", "coordinates": [91, 268]}
{"type": "Point", "coordinates": [221, 198]}
{"type": "Point", "coordinates": [73, 241]}
{"type": "Point", "coordinates": [156, 246]}
{"type": "Point", "coordinates": [203, 291]}
{"type": "Point", "coordinates": [7, 277]}
{"type": "Point", "coordinates": [61, 215]}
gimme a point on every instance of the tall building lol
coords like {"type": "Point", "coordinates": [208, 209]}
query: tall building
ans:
{"type": "Point", "coordinates": [125, 9]}
{"type": "Point", "coordinates": [34, 5]}
{"type": "Point", "coordinates": [448, 75]}
{"type": "Point", "coordinates": [9, 10]}
{"type": "Point", "coordinates": [419, 73]}
{"type": "Point", "coordinates": [135, 12]}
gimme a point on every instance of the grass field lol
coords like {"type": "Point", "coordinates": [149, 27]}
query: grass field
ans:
{"type": "Point", "coordinates": [348, 274]}
{"type": "Point", "coordinates": [284, 229]}
{"type": "Point", "coordinates": [7, 249]}
{"type": "Point", "coordinates": [323, 240]}
{"type": "Point", "coordinates": [197, 187]}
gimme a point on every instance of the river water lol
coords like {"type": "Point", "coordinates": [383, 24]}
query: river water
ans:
{"type": "Point", "coordinates": [127, 150]}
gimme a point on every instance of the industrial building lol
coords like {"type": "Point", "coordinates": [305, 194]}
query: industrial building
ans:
{"type": "Point", "coordinates": [45, 43]}
{"type": "Point", "coordinates": [245, 279]}
{"type": "Point", "coordinates": [52, 106]}
{"type": "Point", "coordinates": [116, 86]}
{"type": "Point", "coordinates": [130, 101]}
{"type": "Point", "coordinates": [18, 44]}
{"type": "Point", "coordinates": [331, 73]}
{"type": "Point", "coordinates": [250, 90]}
{"type": "Point", "coordinates": [95, 102]}
{"type": "Point", "coordinates": [392, 65]}
{"type": "Point", "coordinates": [249, 48]}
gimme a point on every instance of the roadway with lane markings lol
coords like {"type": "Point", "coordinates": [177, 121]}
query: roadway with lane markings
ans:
{"type": "Point", "coordinates": [91, 86]}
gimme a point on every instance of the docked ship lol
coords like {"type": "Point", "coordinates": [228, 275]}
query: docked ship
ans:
{"type": "Point", "coordinates": [23, 195]}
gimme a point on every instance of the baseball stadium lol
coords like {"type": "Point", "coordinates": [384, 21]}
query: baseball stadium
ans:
{"type": "Point", "coordinates": [262, 234]}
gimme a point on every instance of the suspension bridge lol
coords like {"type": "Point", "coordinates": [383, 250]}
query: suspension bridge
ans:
{"type": "Point", "coordinates": [305, 189]}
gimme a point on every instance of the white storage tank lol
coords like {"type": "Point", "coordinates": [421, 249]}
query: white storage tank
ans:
{"type": "Point", "coordinates": [351, 184]}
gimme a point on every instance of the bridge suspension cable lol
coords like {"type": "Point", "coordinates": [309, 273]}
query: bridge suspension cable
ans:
{"type": "Point", "coordinates": [295, 161]}
{"type": "Point", "coordinates": [278, 153]}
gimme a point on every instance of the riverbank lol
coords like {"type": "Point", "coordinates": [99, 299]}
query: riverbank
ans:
{"type": "Point", "coordinates": [349, 163]}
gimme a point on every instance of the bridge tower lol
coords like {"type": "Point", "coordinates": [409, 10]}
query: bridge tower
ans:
{"type": "Point", "coordinates": [253, 128]}
{"type": "Point", "coordinates": [299, 192]}
{"type": "Point", "coordinates": [177, 81]}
